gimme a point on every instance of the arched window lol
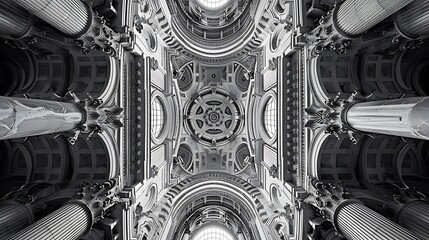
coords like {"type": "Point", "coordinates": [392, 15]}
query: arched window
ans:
{"type": "Point", "coordinates": [158, 117]}
{"type": "Point", "coordinates": [270, 117]}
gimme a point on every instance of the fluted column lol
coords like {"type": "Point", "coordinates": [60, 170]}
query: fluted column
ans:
{"type": "Point", "coordinates": [77, 216]}
{"type": "Point", "coordinates": [71, 17]}
{"type": "Point", "coordinates": [412, 20]}
{"type": "Point", "coordinates": [71, 221]}
{"type": "Point", "coordinates": [408, 117]}
{"type": "Point", "coordinates": [14, 216]}
{"type": "Point", "coordinates": [354, 17]}
{"type": "Point", "coordinates": [20, 117]}
{"type": "Point", "coordinates": [349, 20]}
{"type": "Point", "coordinates": [414, 216]}
{"type": "Point", "coordinates": [350, 217]}
{"type": "Point", "coordinates": [357, 222]}
{"type": "Point", "coordinates": [15, 22]}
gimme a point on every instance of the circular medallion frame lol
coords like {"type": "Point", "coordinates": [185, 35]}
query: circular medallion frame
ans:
{"type": "Point", "coordinates": [213, 117]}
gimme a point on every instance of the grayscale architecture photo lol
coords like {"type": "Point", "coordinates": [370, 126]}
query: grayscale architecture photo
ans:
{"type": "Point", "coordinates": [214, 119]}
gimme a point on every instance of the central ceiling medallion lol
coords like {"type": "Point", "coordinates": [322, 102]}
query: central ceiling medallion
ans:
{"type": "Point", "coordinates": [213, 117]}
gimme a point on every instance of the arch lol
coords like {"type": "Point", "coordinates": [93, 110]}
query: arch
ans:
{"type": "Point", "coordinates": [413, 165]}
{"type": "Point", "coordinates": [112, 82]}
{"type": "Point", "coordinates": [246, 196]}
{"type": "Point", "coordinates": [200, 28]}
{"type": "Point", "coordinates": [332, 73]}
{"type": "Point", "coordinates": [337, 159]}
{"type": "Point", "coordinates": [379, 159]}
{"type": "Point", "coordinates": [51, 158]}
{"type": "Point", "coordinates": [112, 150]}
{"type": "Point", "coordinates": [90, 74]}
{"type": "Point", "coordinates": [91, 159]}
{"type": "Point", "coordinates": [18, 152]}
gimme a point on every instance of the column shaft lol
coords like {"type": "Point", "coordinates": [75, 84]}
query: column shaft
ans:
{"type": "Point", "coordinates": [14, 21]}
{"type": "Point", "coordinates": [412, 20]}
{"type": "Point", "coordinates": [20, 117]}
{"type": "Point", "coordinates": [14, 217]}
{"type": "Point", "coordinates": [354, 17]}
{"type": "Point", "coordinates": [69, 222]}
{"type": "Point", "coordinates": [414, 216]}
{"type": "Point", "coordinates": [407, 117]}
{"type": "Point", "coordinates": [357, 222]}
{"type": "Point", "coordinates": [69, 16]}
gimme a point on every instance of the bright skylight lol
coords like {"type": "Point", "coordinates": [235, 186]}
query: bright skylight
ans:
{"type": "Point", "coordinates": [212, 3]}
{"type": "Point", "coordinates": [213, 233]}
